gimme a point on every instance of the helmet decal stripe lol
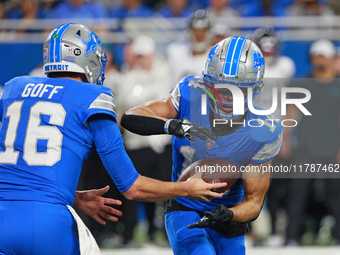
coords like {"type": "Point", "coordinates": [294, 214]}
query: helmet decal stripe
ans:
{"type": "Point", "coordinates": [237, 57]}
{"type": "Point", "coordinates": [58, 54]}
{"type": "Point", "coordinates": [233, 55]}
{"type": "Point", "coordinates": [52, 46]}
{"type": "Point", "coordinates": [229, 55]}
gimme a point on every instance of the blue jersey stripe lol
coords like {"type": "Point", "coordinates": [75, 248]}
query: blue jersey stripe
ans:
{"type": "Point", "coordinates": [229, 55]}
{"type": "Point", "coordinates": [237, 56]}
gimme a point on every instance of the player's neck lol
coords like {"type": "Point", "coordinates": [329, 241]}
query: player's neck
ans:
{"type": "Point", "coordinates": [72, 78]}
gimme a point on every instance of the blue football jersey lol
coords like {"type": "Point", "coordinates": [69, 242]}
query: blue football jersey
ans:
{"type": "Point", "coordinates": [44, 137]}
{"type": "Point", "coordinates": [247, 145]}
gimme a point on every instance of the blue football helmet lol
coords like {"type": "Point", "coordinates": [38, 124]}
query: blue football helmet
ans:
{"type": "Point", "coordinates": [75, 48]}
{"type": "Point", "coordinates": [233, 61]}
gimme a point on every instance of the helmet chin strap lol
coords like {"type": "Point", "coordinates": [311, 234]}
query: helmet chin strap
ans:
{"type": "Point", "coordinates": [102, 76]}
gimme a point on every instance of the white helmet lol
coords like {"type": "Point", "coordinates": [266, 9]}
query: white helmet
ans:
{"type": "Point", "coordinates": [235, 61]}
{"type": "Point", "coordinates": [75, 48]}
{"type": "Point", "coordinates": [201, 19]}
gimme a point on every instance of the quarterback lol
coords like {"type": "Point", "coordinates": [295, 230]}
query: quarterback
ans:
{"type": "Point", "coordinates": [49, 127]}
{"type": "Point", "coordinates": [218, 226]}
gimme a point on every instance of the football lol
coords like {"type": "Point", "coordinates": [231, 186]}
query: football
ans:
{"type": "Point", "coordinates": [214, 170]}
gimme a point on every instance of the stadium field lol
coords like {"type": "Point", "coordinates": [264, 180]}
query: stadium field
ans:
{"type": "Point", "coordinates": [152, 250]}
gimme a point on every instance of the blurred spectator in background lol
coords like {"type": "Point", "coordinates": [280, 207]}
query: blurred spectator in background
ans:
{"type": "Point", "coordinates": [79, 9]}
{"type": "Point", "coordinates": [188, 58]}
{"type": "Point", "coordinates": [317, 143]}
{"type": "Point", "coordinates": [220, 31]}
{"type": "Point", "coordinates": [198, 4]}
{"type": "Point", "coordinates": [248, 8]}
{"type": "Point", "coordinates": [47, 7]}
{"type": "Point", "coordinates": [2, 11]}
{"type": "Point", "coordinates": [335, 5]}
{"type": "Point", "coordinates": [279, 71]}
{"type": "Point", "coordinates": [175, 9]}
{"type": "Point", "coordinates": [131, 9]}
{"type": "Point", "coordinates": [337, 61]}
{"type": "Point", "coordinates": [221, 8]}
{"type": "Point", "coordinates": [276, 7]}
{"type": "Point", "coordinates": [112, 73]}
{"type": "Point", "coordinates": [146, 79]}
{"type": "Point", "coordinates": [25, 9]}
{"type": "Point", "coordinates": [309, 8]}
{"type": "Point", "coordinates": [28, 11]}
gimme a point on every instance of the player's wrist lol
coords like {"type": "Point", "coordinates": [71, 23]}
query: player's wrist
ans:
{"type": "Point", "coordinates": [77, 200]}
{"type": "Point", "coordinates": [221, 214]}
{"type": "Point", "coordinates": [227, 216]}
{"type": "Point", "coordinates": [173, 127]}
{"type": "Point", "coordinates": [167, 126]}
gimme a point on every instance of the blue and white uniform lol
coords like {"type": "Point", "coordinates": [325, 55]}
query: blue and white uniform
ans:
{"type": "Point", "coordinates": [46, 134]}
{"type": "Point", "coordinates": [247, 145]}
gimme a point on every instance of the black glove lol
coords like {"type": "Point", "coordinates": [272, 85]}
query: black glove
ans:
{"type": "Point", "coordinates": [188, 130]}
{"type": "Point", "coordinates": [219, 216]}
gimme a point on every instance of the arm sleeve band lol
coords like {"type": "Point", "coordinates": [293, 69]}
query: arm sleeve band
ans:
{"type": "Point", "coordinates": [109, 144]}
{"type": "Point", "coordinates": [142, 125]}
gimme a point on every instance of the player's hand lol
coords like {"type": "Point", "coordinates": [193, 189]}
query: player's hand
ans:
{"type": "Point", "coordinates": [218, 216]}
{"type": "Point", "coordinates": [199, 189]}
{"type": "Point", "coordinates": [93, 204]}
{"type": "Point", "coordinates": [188, 130]}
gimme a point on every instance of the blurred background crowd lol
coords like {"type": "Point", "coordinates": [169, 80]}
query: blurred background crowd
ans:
{"type": "Point", "coordinates": [153, 44]}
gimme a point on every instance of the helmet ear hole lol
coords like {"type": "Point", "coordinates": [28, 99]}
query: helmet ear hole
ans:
{"type": "Point", "coordinates": [93, 64]}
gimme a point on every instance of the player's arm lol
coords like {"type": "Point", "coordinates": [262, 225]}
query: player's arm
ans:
{"type": "Point", "coordinates": [95, 205]}
{"type": "Point", "coordinates": [109, 144]}
{"type": "Point", "coordinates": [255, 185]}
{"type": "Point", "coordinates": [160, 117]}
{"type": "Point", "coordinates": [158, 109]}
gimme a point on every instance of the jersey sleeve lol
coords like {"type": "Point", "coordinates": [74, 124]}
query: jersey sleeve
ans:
{"type": "Point", "coordinates": [269, 149]}
{"type": "Point", "coordinates": [175, 97]}
{"type": "Point", "coordinates": [109, 145]}
{"type": "Point", "coordinates": [103, 103]}
{"type": "Point", "coordinates": [1, 109]}
{"type": "Point", "coordinates": [180, 94]}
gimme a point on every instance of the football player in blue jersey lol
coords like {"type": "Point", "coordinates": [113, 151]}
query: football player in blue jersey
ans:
{"type": "Point", "coordinates": [49, 126]}
{"type": "Point", "coordinates": [234, 69]}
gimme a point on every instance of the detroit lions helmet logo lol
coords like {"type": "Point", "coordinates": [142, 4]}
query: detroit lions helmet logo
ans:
{"type": "Point", "coordinates": [212, 53]}
{"type": "Point", "coordinates": [258, 61]}
{"type": "Point", "coordinates": [91, 44]}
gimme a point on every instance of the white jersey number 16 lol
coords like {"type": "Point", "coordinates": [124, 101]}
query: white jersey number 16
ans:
{"type": "Point", "coordinates": [34, 132]}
